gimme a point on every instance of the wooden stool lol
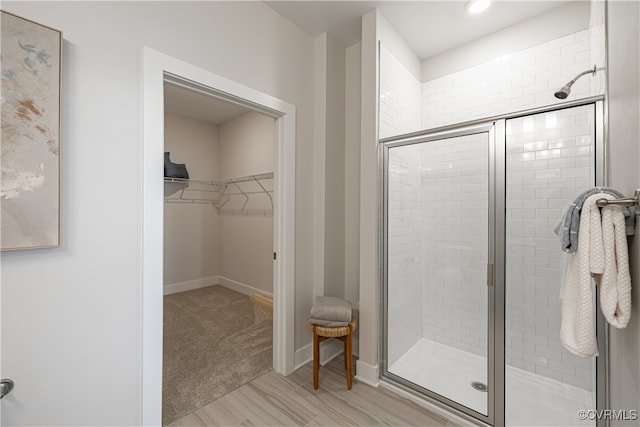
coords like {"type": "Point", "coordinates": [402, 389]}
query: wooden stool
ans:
{"type": "Point", "coordinates": [344, 334]}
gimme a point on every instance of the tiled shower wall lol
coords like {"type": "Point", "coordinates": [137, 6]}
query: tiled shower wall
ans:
{"type": "Point", "coordinates": [549, 161]}
{"type": "Point", "coordinates": [454, 237]}
{"type": "Point", "coordinates": [515, 82]}
{"type": "Point", "coordinates": [437, 244]}
{"type": "Point", "coordinates": [399, 97]}
{"type": "Point", "coordinates": [438, 214]}
{"type": "Point", "coordinates": [404, 247]}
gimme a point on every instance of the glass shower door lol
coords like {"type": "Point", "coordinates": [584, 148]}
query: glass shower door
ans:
{"type": "Point", "coordinates": [438, 219]}
{"type": "Point", "coordinates": [550, 159]}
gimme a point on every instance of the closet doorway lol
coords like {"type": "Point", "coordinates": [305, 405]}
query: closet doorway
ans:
{"type": "Point", "coordinates": [218, 248]}
{"type": "Point", "coordinates": [158, 69]}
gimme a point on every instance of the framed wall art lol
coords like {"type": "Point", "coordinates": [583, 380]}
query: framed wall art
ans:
{"type": "Point", "coordinates": [31, 56]}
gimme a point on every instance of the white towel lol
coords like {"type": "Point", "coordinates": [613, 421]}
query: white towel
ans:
{"type": "Point", "coordinates": [615, 282]}
{"type": "Point", "coordinates": [578, 328]}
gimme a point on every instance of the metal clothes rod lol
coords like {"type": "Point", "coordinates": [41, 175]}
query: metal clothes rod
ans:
{"type": "Point", "coordinates": [627, 201]}
{"type": "Point", "coordinates": [248, 178]}
{"type": "Point", "coordinates": [193, 181]}
{"type": "Point", "coordinates": [268, 175]}
{"type": "Point", "coordinates": [224, 191]}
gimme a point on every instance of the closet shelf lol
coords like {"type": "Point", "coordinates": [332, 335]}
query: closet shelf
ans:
{"type": "Point", "coordinates": [230, 194]}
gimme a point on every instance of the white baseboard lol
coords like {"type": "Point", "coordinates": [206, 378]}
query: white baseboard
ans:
{"type": "Point", "coordinates": [329, 350]}
{"type": "Point", "coordinates": [303, 356]}
{"type": "Point", "coordinates": [367, 373]}
{"type": "Point", "coordinates": [190, 285]}
{"type": "Point", "coordinates": [241, 287]}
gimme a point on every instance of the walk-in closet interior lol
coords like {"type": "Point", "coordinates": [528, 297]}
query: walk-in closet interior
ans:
{"type": "Point", "coordinates": [480, 159]}
{"type": "Point", "coordinates": [218, 248]}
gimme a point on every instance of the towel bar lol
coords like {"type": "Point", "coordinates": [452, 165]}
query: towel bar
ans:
{"type": "Point", "coordinates": [627, 201]}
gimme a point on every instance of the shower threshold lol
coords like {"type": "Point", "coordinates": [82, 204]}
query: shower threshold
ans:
{"type": "Point", "coordinates": [531, 400]}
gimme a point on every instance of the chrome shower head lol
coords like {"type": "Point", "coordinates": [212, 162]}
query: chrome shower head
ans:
{"type": "Point", "coordinates": [565, 90]}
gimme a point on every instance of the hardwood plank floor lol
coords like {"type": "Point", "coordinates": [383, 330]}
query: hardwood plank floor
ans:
{"type": "Point", "coordinates": [274, 400]}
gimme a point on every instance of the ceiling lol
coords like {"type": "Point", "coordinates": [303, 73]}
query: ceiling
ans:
{"type": "Point", "coordinates": [188, 103]}
{"type": "Point", "coordinates": [416, 21]}
{"type": "Point", "coordinates": [429, 27]}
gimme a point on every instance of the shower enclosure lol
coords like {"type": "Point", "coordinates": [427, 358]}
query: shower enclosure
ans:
{"type": "Point", "coordinates": [472, 267]}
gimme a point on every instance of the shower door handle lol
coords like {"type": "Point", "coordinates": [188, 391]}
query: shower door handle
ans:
{"type": "Point", "coordinates": [489, 275]}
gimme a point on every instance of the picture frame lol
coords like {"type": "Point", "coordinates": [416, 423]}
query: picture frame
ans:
{"type": "Point", "coordinates": [30, 159]}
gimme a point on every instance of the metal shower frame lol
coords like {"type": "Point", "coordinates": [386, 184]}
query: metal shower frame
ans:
{"type": "Point", "coordinates": [496, 293]}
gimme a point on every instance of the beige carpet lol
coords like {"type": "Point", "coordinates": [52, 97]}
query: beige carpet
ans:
{"type": "Point", "coordinates": [215, 340]}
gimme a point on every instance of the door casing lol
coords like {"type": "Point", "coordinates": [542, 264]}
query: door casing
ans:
{"type": "Point", "coordinates": [158, 68]}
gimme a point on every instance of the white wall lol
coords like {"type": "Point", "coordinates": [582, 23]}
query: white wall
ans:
{"type": "Point", "coordinates": [334, 208]}
{"type": "Point", "coordinates": [71, 317]}
{"type": "Point", "coordinates": [367, 364]}
{"type": "Point", "coordinates": [624, 151]}
{"type": "Point", "coordinates": [329, 230]}
{"type": "Point", "coordinates": [247, 145]}
{"type": "Point", "coordinates": [246, 241]}
{"type": "Point", "coordinates": [568, 19]}
{"type": "Point", "coordinates": [319, 155]}
{"type": "Point", "coordinates": [191, 231]}
{"type": "Point", "coordinates": [352, 173]}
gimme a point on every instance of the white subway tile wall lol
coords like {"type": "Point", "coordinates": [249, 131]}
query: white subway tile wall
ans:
{"type": "Point", "coordinates": [437, 244]}
{"type": "Point", "coordinates": [454, 239]}
{"type": "Point", "coordinates": [514, 82]}
{"type": "Point", "coordinates": [404, 297]}
{"type": "Point", "coordinates": [400, 97]}
{"type": "Point", "coordinates": [549, 161]}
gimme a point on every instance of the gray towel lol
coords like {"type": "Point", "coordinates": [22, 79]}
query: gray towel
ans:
{"type": "Point", "coordinates": [567, 228]}
{"type": "Point", "coordinates": [330, 311]}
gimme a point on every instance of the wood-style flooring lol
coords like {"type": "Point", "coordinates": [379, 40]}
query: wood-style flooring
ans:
{"type": "Point", "coordinates": [274, 400]}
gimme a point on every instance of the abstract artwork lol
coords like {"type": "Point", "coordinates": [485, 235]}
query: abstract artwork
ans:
{"type": "Point", "coordinates": [30, 161]}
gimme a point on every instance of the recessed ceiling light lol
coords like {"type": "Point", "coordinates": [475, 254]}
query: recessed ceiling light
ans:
{"type": "Point", "coordinates": [477, 6]}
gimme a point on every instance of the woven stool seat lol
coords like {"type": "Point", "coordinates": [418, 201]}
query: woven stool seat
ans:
{"type": "Point", "coordinates": [344, 334]}
{"type": "Point", "coordinates": [333, 332]}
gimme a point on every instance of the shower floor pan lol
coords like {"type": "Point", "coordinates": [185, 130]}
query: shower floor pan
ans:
{"type": "Point", "coordinates": [531, 400]}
